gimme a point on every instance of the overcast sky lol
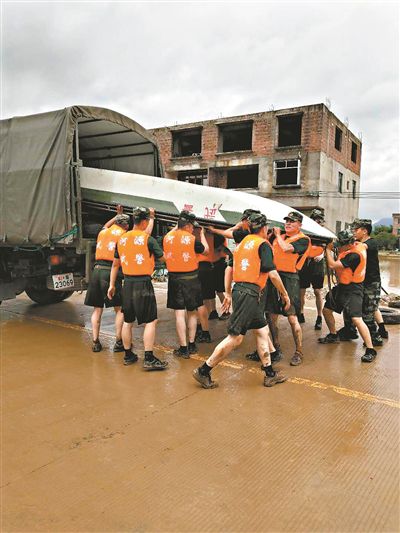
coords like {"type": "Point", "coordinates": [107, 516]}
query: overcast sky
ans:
{"type": "Point", "coordinates": [163, 63]}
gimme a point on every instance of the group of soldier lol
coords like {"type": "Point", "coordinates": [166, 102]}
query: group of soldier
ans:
{"type": "Point", "coordinates": [270, 271]}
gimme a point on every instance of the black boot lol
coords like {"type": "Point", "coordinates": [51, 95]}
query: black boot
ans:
{"type": "Point", "coordinates": [182, 351]}
{"type": "Point", "coordinates": [347, 333]}
{"type": "Point", "coordinates": [383, 331]}
{"type": "Point", "coordinates": [369, 355]}
{"type": "Point", "coordinates": [318, 323]}
{"type": "Point", "coordinates": [253, 356]}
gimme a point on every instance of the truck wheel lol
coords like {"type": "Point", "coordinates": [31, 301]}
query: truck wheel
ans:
{"type": "Point", "coordinates": [45, 296]}
{"type": "Point", "coordinates": [390, 315]}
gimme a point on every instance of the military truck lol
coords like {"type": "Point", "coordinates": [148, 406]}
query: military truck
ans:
{"type": "Point", "coordinates": [47, 234]}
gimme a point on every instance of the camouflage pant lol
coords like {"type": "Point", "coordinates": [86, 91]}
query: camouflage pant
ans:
{"type": "Point", "coordinates": [372, 294]}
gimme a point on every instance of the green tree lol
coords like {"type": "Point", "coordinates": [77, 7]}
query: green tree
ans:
{"type": "Point", "coordinates": [385, 240]}
{"type": "Point", "coordinates": [381, 229]}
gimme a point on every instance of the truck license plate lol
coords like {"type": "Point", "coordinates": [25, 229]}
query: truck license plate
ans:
{"type": "Point", "coordinates": [63, 281]}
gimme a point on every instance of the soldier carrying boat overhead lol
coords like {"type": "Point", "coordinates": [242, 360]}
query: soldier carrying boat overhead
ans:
{"type": "Point", "coordinates": [347, 296]}
{"type": "Point", "coordinates": [136, 252]}
{"type": "Point", "coordinates": [252, 264]}
{"type": "Point", "coordinates": [362, 229]}
{"type": "Point", "coordinates": [96, 294]}
{"type": "Point", "coordinates": [313, 274]}
{"type": "Point", "coordinates": [290, 252]}
{"type": "Point", "coordinates": [184, 290]}
{"type": "Point", "coordinates": [238, 232]}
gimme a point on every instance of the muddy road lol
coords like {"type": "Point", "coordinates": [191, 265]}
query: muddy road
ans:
{"type": "Point", "coordinates": [90, 445]}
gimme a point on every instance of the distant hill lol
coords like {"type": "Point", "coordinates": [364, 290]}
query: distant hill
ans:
{"type": "Point", "coordinates": [383, 222]}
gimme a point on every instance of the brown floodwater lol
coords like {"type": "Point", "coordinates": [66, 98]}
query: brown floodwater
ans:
{"type": "Point", "coordinates": [390, 273]}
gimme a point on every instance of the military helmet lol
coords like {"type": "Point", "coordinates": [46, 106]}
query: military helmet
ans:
{"type": "Point", "coordinates": [345, 237]}
{"type": "Point", "coordinates": [187, 215]}
{"type": "Point", "coordinates": [257, 221]}
{"type": "Point", "coordinates": [141, 213]}
{"type": "Point", "coordinates": [294, 216]}
{"type": "Point", "coordinates": [122, 220]}
{"type": "Point", "coordinates": [317, 214]}
{"type": "Point", "coordinates": [361, 223]}
{"type": "Point", "coordinates": [248, 212]}
{"type": "Point", "coordinates": [188, 218]}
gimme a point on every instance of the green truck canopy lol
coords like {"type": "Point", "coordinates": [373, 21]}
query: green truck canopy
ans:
{"type": "Point", "coordinates": [38, 181]}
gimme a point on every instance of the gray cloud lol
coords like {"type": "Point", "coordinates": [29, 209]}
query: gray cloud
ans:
{"type": "Point", "coordinates": [162, 63]}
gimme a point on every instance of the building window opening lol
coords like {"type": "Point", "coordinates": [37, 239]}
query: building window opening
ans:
{"type": "Point", "coordinates": [353, 152]}
{"type": "Point", "coordinates": [289, 130]}
{"type": "Point", "coordinates": [243, 178]}
{"type": "Point", "coordinates": [354, 188]}
{"type": "Point", "coordinates": [287, 173]}
{"type": "Point", "coordinates": [186, 143]}
{"type": "Point", "coordinates": [197, 177]}
{"type": "Point", "coordinates": [340, 182]}
{"type": "Point", "coordinates": [235, 137]}
{"type": "Point", "coordinates": [338, 139]}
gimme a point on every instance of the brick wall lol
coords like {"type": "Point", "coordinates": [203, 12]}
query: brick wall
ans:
{"type": "Point", "coordinates": [344, 156]}
{"type": "Point", "coordinates": [209, 141]}
{"type": "Point", "coordinates": [164, 141]}
{"type": "Point", "coordinates": [318, 134]}
{"type": "Point", "coordinates": [317, 146]}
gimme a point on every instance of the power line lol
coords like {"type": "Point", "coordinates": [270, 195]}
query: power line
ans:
{"type": "Point", "coordinates": [373, 195]}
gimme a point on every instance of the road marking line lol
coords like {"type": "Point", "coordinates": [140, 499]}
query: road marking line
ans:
{"type": "Point", "coordinates": [238, 366]}
{"type": "Point", "coordinates": [346, 392]}
{"type": "Point", "coordinates": [313, 384]}
{"type": "Point", "coordinates": [50, 321]}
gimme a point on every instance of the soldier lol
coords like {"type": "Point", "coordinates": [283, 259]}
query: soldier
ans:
{"type": "Point", "coordinates": [135, 253]}
{"type": "Point", "coordinates": [239, 231]}
{"type": "Point", "coordinates": [362, 229]}
{"type": "Point", "coordinates": [313, 274]}
{"type": "Point", "coordinates": [206, 278]}
{"type": "Point", "coordinates": [96, 294]}
{"type": "Point", "coordinates": [290, 252]}
{"type": "Point", "coordinates": [184, 289]}
{"type": "Point", "coordinates": [252, 264]}
{"type": "Point", "coordinates": [348, 294]}
{"type": "Point", "coordinates": [221, 252]}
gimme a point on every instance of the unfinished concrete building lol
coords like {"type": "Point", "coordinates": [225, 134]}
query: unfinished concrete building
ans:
{"type": "Point", "coordinates": [304, 157]}
{"type": "Point", "coordinates": [396, 224]}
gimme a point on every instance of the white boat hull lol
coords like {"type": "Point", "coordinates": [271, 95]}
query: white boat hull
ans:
{"type": "Point", "coordinates": [210, 204]}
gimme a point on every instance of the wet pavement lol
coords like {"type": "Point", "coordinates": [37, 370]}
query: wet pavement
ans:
{"type": "Point", "coordinates": [92, 445]}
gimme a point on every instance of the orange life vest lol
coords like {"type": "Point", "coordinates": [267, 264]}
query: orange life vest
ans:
{"type": "Point", "coordinates": [134, 254]}
{"type": "Point", "coordinates": [247, 262]}
{"type": "Point", "coordinates": [286, 261]}
{"type": "Point", "coordinates": [179, 251]}
{"type": "Point", "coordinates": [106, 242]}
{"type": "Point", "coordinates": [315, 251]}
{"type": "Point", "coordinates": [210, 258]}
{"type": "Point", "coordinates": [346, 275]}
